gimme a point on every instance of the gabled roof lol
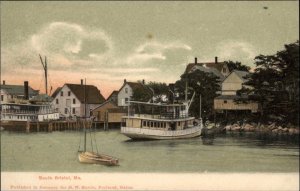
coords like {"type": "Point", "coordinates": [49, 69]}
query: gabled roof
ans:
{"type": "Point", "coordinates": [138, 86]}
{"type": "Point", "coordinates": [56, 92]}
{"type": "Point", "coordinates": [18, 90]}
{"type": "Point", "coordinates": [115, 92]}
{"type": "Point", "coordinates": [208, 69]}
{"type": "Point", "coordinates": [93, 95]}
{"type": "Point", "coordinates": [104, 103]}
{"type": "Point", "coordinates": [218, 65]}
{"type": "Point", "coordinates": [240, 74]}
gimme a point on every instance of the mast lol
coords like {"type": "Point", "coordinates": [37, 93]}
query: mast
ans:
{"type": "Point", "coordinates": [186, 89]}
{"type": "Point", "coordinates": [200, 106]}
{"type": "Point", "coordinates": [84, 148]}
{"type": "Point", "coordinates": [45, 70]}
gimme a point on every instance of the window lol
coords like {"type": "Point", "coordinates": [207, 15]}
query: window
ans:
{"type": "Point", "coordinates": [126, 90]}
{"type": "Point", "coordinates": [225, 101]}
{"type": "Point", "coordinates": [68, 103]}
{"type": "Point", "coordinates": [73, 110]}
{"type": "Point", "coordinates": [2, 97]}
{"type": "Point", "coordinates": [224, 70]}
{"type": "Point", "coordinates": [66, 110]}
{"type": "Point", "coordinates": [69, 93]}
{"type": "Point", "coordinates": [61, 93]}
{"type": "Point", "coordinates": [144, 123]}
{"type": "Point", "coordinates": [126, 100]}
{"type": "Point", "coordinates": [74, 101]}
{"type": "Point", "coordinates": [56, 101]}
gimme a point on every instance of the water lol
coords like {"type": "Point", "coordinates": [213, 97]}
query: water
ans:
{"type": "Point", "coordinates": [57, 152]}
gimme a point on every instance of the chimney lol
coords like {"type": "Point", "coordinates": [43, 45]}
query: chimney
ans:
{"type": "Point", "coordinates": [3, 82]}
{"type": "Point", "coordinates": [124, 81]}
{"type": "Point", "coordinates": [81, 81]}
{"type": "Point", "coordinates": [26, 94]}
{"type": "Point", "coordinates": [216, 59]}
{"type": "Point", "coordinates": [195, 60]}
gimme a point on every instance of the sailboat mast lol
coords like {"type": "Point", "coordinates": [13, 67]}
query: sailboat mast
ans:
{"type": "Point", "coordinates": [46, 74]}
{"type": "Point", "coordinates": [84, 114]}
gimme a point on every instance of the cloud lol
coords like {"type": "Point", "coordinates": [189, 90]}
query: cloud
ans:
{"type": "Point", "coordinates": [237, 51]}
{"type": "Point", "coordinates": [153, 50]}
{"type": "Point", "coordinates": [76, 51]}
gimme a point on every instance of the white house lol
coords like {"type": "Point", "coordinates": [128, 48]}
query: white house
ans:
{"type": "Point", "coordinates": [126, 91]}
{"type": "Point", "coordinates": [228, 100]}
{"type": "Point", "coordinates": [69, 100]}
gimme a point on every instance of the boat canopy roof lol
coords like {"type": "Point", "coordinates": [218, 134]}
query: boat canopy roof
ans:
{"type": "Point", "coordinates": [157, 104]}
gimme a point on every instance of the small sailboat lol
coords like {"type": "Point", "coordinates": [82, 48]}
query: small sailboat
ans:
{"type": "Point", "coordinates": [91, 157]}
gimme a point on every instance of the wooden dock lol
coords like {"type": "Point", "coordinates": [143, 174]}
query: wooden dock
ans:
{"type": "Point", "coordinates": [35, 126]}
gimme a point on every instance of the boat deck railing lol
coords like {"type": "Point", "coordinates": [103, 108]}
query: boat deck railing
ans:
{"type": "Point", "coordinates": [161, 116]}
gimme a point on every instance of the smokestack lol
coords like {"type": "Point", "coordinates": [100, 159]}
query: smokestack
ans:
{"type": "Point", "coordinates": [124, 81]}
{"type": "Point", "coordinates": [81, 81]}
{"type": "Point", "coordinates": [26, 93]}
{"type": "Point", "coordinates": [3, 82]}
{"type": "Point", "coordinates": [195, 60]}
{"type": "Point", "coordinates": [216, 59]}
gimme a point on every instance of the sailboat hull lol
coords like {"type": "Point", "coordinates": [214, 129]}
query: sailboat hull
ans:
{"type": "Point", "coordinates": [94, 158]}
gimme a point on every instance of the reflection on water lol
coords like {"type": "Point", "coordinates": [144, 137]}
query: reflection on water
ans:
{"type": "Point", "coordinates": [231, 152]}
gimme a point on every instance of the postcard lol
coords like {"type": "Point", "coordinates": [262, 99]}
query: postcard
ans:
{"type": "Point", "coordinates": [149, 95]}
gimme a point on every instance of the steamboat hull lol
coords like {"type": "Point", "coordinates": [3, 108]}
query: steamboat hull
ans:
{"type": "Point", "coordinates": [151, 134]}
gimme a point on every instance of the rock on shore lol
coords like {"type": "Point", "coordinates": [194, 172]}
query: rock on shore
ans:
{"type": "Point", "coordinates": [257, 127]}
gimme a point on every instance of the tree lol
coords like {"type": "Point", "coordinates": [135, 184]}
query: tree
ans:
{"type": "Point", "coordinates": [276, 81]}
{"type": "Point", "coordinates": [236, 66]}
{"type": "Point", "coordinates": [202, 83]}
{"type": "Point", "coordinates": [161, 91]}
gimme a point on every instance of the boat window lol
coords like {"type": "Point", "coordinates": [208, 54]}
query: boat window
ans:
{"type": "Point", "coordinates": [151, 124]}
{"type": "Point", "coordinates": [164, 125]}
{"type": "Point", "coordinates": [144, 123]}
{"type": "Point", "coordinates": [179, 123]}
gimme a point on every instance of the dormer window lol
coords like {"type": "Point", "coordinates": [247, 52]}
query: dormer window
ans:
{"type": "Point", "coordinates": [61, 93]}
{"type": "Point", "coordinates": [69, 93]}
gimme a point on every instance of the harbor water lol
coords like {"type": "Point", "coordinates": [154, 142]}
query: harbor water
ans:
{"type": "Point", "coordinates": [57, 152]}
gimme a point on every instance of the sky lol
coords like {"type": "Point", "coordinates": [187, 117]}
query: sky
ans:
{"type": "Point", "coordinates": [106, 42]}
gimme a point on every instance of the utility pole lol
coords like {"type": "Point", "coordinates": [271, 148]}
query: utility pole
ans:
{"type": "Point", "coordinates": [45, 70]}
